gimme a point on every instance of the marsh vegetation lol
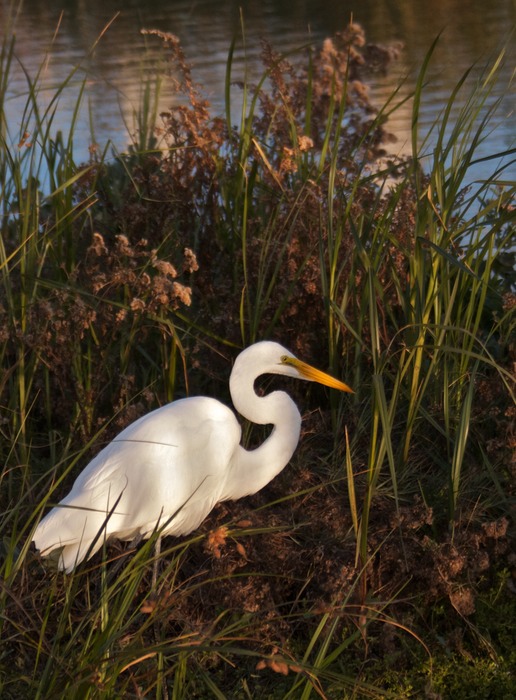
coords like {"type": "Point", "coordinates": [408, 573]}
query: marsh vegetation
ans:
{"type": "Point", "coordinates": [133, 279]}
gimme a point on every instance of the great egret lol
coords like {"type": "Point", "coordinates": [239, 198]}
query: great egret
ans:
{"type": "Point", "coordinates": [173, 465]}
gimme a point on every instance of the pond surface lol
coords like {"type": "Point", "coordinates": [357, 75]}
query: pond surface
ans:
{"type": "Point", "coordinates": [55, 36]}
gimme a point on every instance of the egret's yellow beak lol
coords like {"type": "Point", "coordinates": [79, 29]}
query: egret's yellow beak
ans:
{"type": "Point", "coordinates": [316, 375]}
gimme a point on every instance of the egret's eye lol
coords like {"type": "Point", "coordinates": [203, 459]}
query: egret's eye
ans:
{"type": "Point", "coordinates": [288, 361]}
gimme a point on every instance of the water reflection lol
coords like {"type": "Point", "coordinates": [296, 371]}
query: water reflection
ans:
{"type": "Point", "coordinates": [102, 40]}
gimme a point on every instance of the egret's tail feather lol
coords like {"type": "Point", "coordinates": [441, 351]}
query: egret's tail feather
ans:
{"type": "Point", "coordinates": [66, 543]}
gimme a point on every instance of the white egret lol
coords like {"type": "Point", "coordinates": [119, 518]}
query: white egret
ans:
{"type": "Point", "coordinates": [172, 466]}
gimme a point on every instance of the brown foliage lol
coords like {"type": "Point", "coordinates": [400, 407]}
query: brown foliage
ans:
{"type": "Point", "coordinates": [79, 332]}
{"type": "Point", "coordinates": [193, 190]}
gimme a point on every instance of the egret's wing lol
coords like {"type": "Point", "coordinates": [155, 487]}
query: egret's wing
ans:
{"type": "Point", "coordinates": [167, 466]}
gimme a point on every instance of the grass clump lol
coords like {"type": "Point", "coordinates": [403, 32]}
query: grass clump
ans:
{"type": "Point", "coordinates": [129, 281]}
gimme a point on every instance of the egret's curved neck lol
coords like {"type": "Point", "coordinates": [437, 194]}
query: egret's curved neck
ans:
{"type": "Point", "coordinates": [251, 470]}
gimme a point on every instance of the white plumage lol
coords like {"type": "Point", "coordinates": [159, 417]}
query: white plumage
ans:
{"type": "Point", "coordinates": [174, 464]}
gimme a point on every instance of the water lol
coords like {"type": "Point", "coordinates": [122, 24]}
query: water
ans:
{"type": "Point", "coordinates": [58, 35]}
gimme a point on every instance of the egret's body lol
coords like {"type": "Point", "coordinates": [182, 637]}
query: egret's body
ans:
{"type": "Point", "coordinates": [171, 467]}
